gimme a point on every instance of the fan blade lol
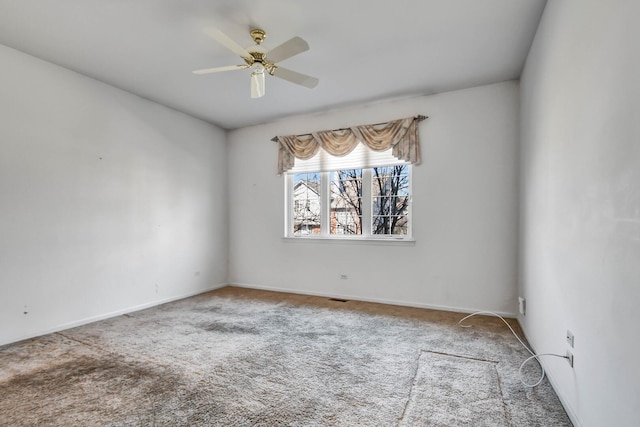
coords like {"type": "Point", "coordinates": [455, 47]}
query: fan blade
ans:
{"type": "Point", "coordinates": [295, 77]}
{"type": "Point", "coordinates": [287, 49]}
{"type": "Point", "coordinates": [227, 42]}
{"type": "Point", "coordinates": [218, 69]}
{"type": "Point", "coordinates": [257, 84]}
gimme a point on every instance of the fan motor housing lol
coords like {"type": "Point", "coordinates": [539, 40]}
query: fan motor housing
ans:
{"type": "Point", "coordinates": [258, 56]}
{"type": "Point", "coordinates": [261, 58]}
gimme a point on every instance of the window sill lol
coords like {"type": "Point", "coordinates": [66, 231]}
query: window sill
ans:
{"type": "Point", "coordinates": [351, 240]}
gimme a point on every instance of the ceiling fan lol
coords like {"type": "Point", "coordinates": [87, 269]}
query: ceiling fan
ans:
{"type": "Point", "coordinates": [261, 60]}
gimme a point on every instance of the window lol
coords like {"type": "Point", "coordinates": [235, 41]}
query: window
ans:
{"type": "Point", "coordinates": [362, 203]}
{"type": "Point", "coordinates": [306, 207]}
{"type": "Point", "coordinates": [350, 183]}
{"type": "Point", "coordinates": [390, 200]}
{"type": "Point", "coordinates": [345, 209]}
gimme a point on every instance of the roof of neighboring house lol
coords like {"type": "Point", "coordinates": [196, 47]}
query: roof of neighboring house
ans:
{"type": "Point", "coordinates": [312, 185]}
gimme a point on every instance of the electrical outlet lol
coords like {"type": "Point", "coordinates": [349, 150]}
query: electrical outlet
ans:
{"type": "Point", "coordinates": [522, 305]}
{"type": "Point", "coordinates": [570, 338]}
{"type": "Point", "coordinates": [570, 358]}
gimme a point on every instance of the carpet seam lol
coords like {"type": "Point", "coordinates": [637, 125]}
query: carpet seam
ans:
{"type": "Point", "coordinates": [460, 356]}
{"type": "Point", "coordinates": [87, 344]}
{"type": "Point", "coordinates": [413, 383]}
{"type": "Point", "coordinates": [507, 412]}
{"type": "Point", "coordinates": [104, 350]}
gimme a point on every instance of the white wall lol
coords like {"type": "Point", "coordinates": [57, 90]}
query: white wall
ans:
{"type": "Point", "coordinates": [108, 202]}
{"type": "Point", "coordinates": [464, 212]}
{"type": "Point", "coordinates": [580, 234]}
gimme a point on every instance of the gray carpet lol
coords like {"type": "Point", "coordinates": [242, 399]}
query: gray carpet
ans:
{"type": "Point", "coordinates": [238, 357]}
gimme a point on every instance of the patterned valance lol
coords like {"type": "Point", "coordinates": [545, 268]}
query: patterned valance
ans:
{"type": "Point", "coordinates": [399, 135]}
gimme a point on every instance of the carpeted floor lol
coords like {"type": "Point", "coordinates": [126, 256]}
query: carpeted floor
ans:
{"type": "Point", "coordinates": [239, 357]}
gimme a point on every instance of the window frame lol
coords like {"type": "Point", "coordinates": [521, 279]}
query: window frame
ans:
{"type": "Point", "coordinates": [367, 214]}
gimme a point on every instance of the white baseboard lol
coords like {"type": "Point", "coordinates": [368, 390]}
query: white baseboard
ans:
{"type": "Point", "coordinates": [92, 319]}
{"type": "Point", "coordinates": [366, 299]}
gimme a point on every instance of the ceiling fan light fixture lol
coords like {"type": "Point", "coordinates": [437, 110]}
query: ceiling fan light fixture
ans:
{"type": "Point", "coordinates": [257, 83]}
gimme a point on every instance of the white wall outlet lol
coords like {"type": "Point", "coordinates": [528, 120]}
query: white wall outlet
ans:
{"type": "Point", "coordinates": [570, 358]}
{"type": "Point", "coordinates": [570, 338]}
{"type": "Point", "coordinates": [522, 305]}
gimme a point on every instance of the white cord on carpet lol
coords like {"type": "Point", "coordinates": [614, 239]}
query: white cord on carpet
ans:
{"type": "Point", "coordinates": [533, 355]}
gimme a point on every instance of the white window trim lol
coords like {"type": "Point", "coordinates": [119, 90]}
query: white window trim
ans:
{"type": "Point", "coordinates": [348, 241]}
{"type": "Point", "coordinates": [366, 214]}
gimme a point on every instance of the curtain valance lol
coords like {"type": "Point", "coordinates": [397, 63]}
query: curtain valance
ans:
{"type": "Point", "coordinates": [401, 136]}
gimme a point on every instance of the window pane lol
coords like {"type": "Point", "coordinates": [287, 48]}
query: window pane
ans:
{"type": "Point", "coordinates": [346, 202]}
{"type": "Point", "coordinates": [306, 204]}
{"type": "Point", "coordinates": [390, 200]}
{"type": "Point", "coordinates": [385, 201]}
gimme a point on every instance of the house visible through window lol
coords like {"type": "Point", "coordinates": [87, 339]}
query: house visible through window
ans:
{"type": "Point", "coordinates": [306, 204]}
{"type": "Point", "coordinates": [370, 202]}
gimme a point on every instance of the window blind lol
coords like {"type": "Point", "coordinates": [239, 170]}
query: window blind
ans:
{"type": "Point", "coordinates": [361, 157]}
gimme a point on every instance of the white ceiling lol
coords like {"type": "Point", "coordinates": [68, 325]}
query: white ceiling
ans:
{"type": "Point", "coordinates": [361, 50]}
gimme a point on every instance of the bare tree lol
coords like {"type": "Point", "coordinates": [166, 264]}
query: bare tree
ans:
{"type": "Point", "coordinates": [391, 201]}
{"type": "Point", "coordinates": [390, 195]}
{"type": "Point", "coordinates": [346, 202]}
